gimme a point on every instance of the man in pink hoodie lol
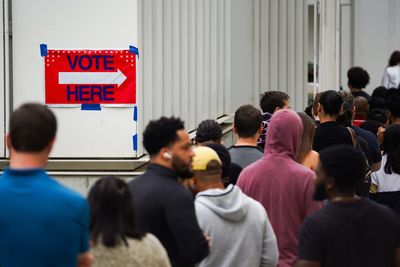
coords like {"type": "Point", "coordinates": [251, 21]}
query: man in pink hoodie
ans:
{"type": "Point", "coordinates": [281, 185]}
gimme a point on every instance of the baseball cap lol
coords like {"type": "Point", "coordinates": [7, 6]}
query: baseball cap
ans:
{"type": "Point", "coordinates": [202, 156]}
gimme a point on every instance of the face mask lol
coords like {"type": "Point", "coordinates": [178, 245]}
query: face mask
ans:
{"type": "Point", "coordinates": [320, 192]}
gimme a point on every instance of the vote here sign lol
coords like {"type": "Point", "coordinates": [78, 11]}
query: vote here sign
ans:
{"type": "Point", "coordinates": [90, 77]}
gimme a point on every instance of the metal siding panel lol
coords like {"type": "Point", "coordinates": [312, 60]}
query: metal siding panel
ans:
{"type": "Point", "coordinates": [282, 50]}
{"type": "Point", "coordinates": [140, 80]}
{"type": "Point", "coordinates": [256, 40]}
{"type": "Point", "coordinates": [147, 61]}
{"type": "Point", "coordinates": [274, 44]}
{"type": "Point", "coordinates": [158, 93]}
{"type": "Point", "coordinates": [206, 63]}
{"type": "Point", "coordinates": [175, 62]}
{"type": "Point", "coordinates": [227, 55]}
{"type": "Point", "coordinates": [199, 61]}
{"type": "Point", "coordinates": [167, 55]}
{"type": "Point", "coordinates": [291, 46]}
{"type": "Point", "coordinates": [303, 97]}
{"type": "Point", "coordinates": [299, 53]}
{"type": "Point", "coordinates": [264, 47]}
{"type": "Point", "coordinates": [184, 62]}
{"type": "Point", "coordinates": [213, 58]}
{"type": "Point", "coordinates": [192, 63]}
{"type": "Point", "coordinates": [220, 58]}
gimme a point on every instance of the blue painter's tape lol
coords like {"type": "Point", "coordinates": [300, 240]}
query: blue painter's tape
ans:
{"type": "Point", "coordinates": [43, 50]}
{"type": "Point", "coordinates": [134, 50]}
{"type": "Point", "coordinates": [135, 113]}
{"type": "Point", "coordinates": [90, 107]}
{"type": "Point", "coordinates": [135, 144]}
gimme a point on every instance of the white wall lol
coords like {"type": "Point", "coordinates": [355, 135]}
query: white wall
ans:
{"type": "Point", "coordinates": [2, 91]}
{"type": "Point", "coordinates": [376, 35]}
{"type": "Point", "coordinates": [73, 25]}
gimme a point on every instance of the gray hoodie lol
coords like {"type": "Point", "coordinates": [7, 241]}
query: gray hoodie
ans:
{"type": "Point", "coordinates": [241, 234]}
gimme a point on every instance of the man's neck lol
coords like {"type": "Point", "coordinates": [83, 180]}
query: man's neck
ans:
{"type": "Point", "coordinates": [216, 185]}
{"type": "Point", "coordinates": [246, 141]}
{"type": "Point", "coordinates": [27, 160]}
{"type": "Point", "coordinates": [344, 197]}
{"type": "Point", "coordinates": [324, 118]}
{"type": "Point", "coordinates": [396, 121]}
{"type": "Point", "coordinates": [352, 89]}
{"type": "Point", "coordinates": [158, 161]}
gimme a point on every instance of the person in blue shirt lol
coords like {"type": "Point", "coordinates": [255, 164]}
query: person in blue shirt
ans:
{"type": "Point", "coordinates": [42, 223]}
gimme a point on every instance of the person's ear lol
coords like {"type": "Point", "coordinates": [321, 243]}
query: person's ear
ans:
{"type": "Point", "coordinates": [192, 184]}
{"type": "Point", "coordinates": [165, 154]}
{"type": "Point", "coordinates": [276, 109]}
{"type": "Point", "coordinates": [50, 145]}
{"type": "Point", "coordinates": [8, 141]}
{"type": "Point", "coordinates": [319, 108]}
{"type": "Point", "coordinates": [234, 129]}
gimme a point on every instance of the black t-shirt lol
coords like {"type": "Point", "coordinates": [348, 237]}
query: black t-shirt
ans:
{"type": "Point", "coordinates": [361, 93]}
{"type": "Point", "coordinates": [374, 151]}
{"type": "Point", "coordinates": [329, 134]}
{"type": "Point", "coordinates": [165, 208]}
{"type": "Point", "coordinates": [360, 233]}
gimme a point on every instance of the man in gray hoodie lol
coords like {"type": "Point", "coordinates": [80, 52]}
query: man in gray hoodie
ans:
{"type": "Point", "coordinates": [240, 232]}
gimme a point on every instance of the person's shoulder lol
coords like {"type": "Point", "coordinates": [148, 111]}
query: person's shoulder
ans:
{"type": "Point", "coordinates": [314, 155]}
{"type": "Point", "coordinates": [64, 192]}
{"type": "Point", "coordinates": [367, 135]}
{"type": "Point", "coordinates": [176, 193]}
{"type": "Point", "coordinates": [322, 215]}
{"type": "Point", "coordinates": [254, 204]}
{"type": "Point", "coordinates": [303, 172]}
{"type": "Point", "coordinates": [380, 209]}
{"type": "Point", "coordinates": [152, 240]}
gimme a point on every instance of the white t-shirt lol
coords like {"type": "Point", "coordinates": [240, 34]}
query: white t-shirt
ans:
{"type": "Point", "coordinates": [385, 182]}
{"type": "Point", "coordinates": [391, 77]}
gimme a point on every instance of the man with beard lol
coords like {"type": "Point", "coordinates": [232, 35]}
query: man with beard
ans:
{"type": "Point", "coordinates": [164, 207]}
{"type": "Point", "coordinates": [350, 230]}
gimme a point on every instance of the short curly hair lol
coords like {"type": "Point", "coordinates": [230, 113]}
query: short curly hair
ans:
{"type": "Point", "coordinates": [208, 130]}
{"type": "Point", "coordinates": [271, 100]}
{"type": "Point", "coordinates": [161, 133]}
{"type": "Point", "coordinates": [358, 77]}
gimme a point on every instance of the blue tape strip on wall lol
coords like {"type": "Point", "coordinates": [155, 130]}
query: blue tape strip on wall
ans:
{"type": "Point", "coordinates": [135, 111]}
{"type": "Point", "coordinates": [90, 107]}
{"type": "Point", "coordinates": [43, 50]}
{"type": "Point", "coordinates": [134, 50]}
{"type": "Point", "coordinates": [135, 142]}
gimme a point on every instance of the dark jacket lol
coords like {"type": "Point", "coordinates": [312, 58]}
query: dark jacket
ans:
{"type": "Point", "coordinates": [165, 208]}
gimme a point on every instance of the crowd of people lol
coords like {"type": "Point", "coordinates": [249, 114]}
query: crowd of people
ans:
{"type": "Point", "coordinates": [307, 189]}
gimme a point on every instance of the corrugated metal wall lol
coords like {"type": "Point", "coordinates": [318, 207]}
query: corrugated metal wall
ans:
{"type": "Point", "coordinates": [280, 52]}
{"type": "Point", "coordinates": [184, 61]}
{"type": "Point", "coordinates": [204, 58]}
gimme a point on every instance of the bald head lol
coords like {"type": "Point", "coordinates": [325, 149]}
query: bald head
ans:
{"type": "Point", "coordinates": [361, 105]}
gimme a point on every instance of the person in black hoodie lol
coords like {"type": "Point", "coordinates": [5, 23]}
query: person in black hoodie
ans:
{"type": "Point", "coordinates": [164, 207]}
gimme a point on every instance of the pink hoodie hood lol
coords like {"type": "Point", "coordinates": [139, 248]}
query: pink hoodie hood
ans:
{"type": "Point", "coordinates": [284, 134]}
{"type": "Point", "coordinates": [281, 185]}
